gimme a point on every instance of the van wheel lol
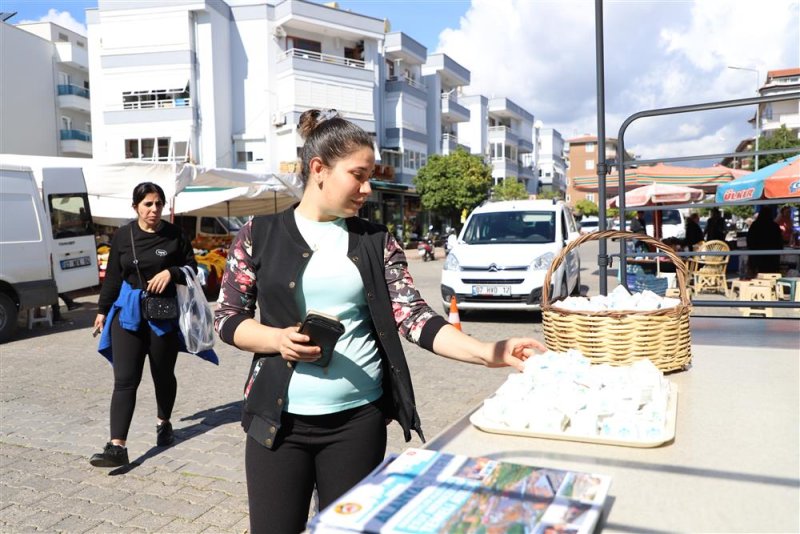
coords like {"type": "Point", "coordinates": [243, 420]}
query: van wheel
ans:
{"type": "Point", "coordinates": [8, 317]}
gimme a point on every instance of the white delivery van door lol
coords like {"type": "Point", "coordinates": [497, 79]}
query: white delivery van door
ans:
{"type": "Point", "coordinates": [72, 229]}
{"type": "Point", "coordinates": [24, 254]}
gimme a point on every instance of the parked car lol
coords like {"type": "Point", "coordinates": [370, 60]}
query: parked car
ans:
{"type": "Point", "coordinates": [589, 224]}
{"type": "Point", "coordinates": [503, 252]}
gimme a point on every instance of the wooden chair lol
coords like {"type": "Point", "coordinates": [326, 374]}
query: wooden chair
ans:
{"type": "Point", "coordinates": [708, 272]}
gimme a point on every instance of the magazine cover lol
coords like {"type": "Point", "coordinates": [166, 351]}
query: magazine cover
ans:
{"type": "Point", "coordinates": [424, 491]}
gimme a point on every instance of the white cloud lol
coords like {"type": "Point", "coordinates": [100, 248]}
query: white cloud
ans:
{"type": "Point", "coordinates": [62, 18]}
{"type": "Point", "coordinates": [541, 54]}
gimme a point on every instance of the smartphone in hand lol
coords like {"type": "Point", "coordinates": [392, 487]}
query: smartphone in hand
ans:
{"type": "Point", "coordinates": [324, 330]}
{"type": "Point", "coordinates": [96, 332]}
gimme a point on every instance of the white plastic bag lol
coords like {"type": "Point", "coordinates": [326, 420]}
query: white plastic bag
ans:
{"type": "Point", "coordinates": [196, 320]}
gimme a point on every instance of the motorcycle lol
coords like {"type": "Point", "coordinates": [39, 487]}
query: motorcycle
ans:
{"type": "Point", "coordinates": [425, 250]}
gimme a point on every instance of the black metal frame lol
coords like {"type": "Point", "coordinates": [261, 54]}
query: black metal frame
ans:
{"type": "Point", "coordinates": [603, 259]}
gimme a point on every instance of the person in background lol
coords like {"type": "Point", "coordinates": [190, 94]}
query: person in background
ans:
{"type": "Point", "coordinates": [638, 225]}
{"type": "Point", "coordinates": [161, 249]}
{"type": "Point", "coordinates": [694, 234]}
{"type": "Point", "coordinates": [786, 225]}
{"type": "Point", "coordinates": [764, 234]}
{"type": "Point", "coordinates": [309, 425]}
{"type": "Point", "coordinates": [715, 226]}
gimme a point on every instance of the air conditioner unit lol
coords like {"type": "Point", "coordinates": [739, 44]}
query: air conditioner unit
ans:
{"type": "Point", "coordinates": [279, 32]}
{"type": "Point", "coordinates": [278, 119]}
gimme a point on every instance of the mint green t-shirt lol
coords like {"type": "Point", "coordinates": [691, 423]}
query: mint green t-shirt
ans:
{"type": "Point", "coordinates": [332, 284]}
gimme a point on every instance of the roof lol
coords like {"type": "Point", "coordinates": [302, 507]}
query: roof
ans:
{"type": "Point", "coordinates": [589, 139]}
{"type": "Point", "coordinates": [780, 73]}
{"type": "Point", "coordinates": [518, 205]}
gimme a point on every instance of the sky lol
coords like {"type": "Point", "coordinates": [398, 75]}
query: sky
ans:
{"type": "Point", "coordinates": [541, 55]}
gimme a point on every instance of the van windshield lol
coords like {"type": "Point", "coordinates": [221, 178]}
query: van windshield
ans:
{"type": "Point", "coordinates": [511, 227]}
{"type": "Point", "coordinates": [667, 217]}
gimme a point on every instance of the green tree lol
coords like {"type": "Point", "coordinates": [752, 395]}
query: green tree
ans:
{"type": "Point", "coordinates": [780, 138]}
{"type": "Point", "coordinates": [451, 183]}
{"type": "Point", "coordinates": [509, 189]}
{"type": "Point", "coordinates": [547, 194]}
{"type": "Point", "coordinates": [587, 207]}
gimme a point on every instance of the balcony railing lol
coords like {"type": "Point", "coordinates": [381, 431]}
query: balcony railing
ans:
{"type": "Point", "coordinates": [449, 138]}
{"type": "Point", "coordinates": [158, 104]}
{"type": "Point", "coordinates": [76, 135]}
{"type": "Point", "coordinates": [323, 58]}
{"type": "Point", "coordinates": [499, 129]}
{"type": "Point", "coordinates": [73, 90]}
{"type": "Point", "coordinates": [410, 81]}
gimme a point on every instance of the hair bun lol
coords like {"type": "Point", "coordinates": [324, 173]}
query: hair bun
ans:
{"type": "Point", "coordinates": [311, 119]}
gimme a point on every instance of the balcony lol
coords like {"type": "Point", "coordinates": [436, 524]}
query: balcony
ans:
{"type": "Point", "coordinates": [502, 134]}
{"type": "Point", "coordinates": [73, 97]}
{"type": "Point", "coordinates": [504, 167]}
{"type": "Point", "coordinates": [403, 84]}
{"type": "Point", "coordinates": [169, 103]}
{"type": "Point", "coordinates": [525, 145]}
{"type": "Point", "coordinates": [76, 143]}
{"type": "Point", "coordinates": [453, 74]}
{"type": "Point", "coordinates": [72, 55]}
{"type": "Point", "coordinates": [791, 120]}
{"type": "Point", "coordinates": [297, 59]}
{"type": "Point", "coordinates": [449, 143]}
{"type": "Point", "coordinates": [452, 111]}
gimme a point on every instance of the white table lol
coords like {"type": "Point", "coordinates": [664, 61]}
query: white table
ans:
{"type": "Point", "coordinates": [734, 465]}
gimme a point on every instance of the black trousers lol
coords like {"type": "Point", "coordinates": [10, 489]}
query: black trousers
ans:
{"type": "Point", "coordinates": [130, 350]}
{"type": "Point", "coordinates": [333, 452]}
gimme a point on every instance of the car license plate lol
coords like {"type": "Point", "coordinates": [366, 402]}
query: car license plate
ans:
{"type": "Point", "coordinates": [491, 291]}
{"type": "Point", "coordinates": [73, 263]}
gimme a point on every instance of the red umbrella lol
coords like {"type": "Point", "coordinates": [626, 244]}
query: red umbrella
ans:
{"type": "Point", "coordinates": [657, 194]}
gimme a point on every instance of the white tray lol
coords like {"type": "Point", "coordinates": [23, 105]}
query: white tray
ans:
{"type": "Point", "coordinates": [481, 423]}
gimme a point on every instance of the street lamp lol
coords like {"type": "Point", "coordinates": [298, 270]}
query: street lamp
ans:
{"type": "Point", "coordinates": [758, 107]}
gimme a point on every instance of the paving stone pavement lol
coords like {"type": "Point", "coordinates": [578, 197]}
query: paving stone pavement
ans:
{"type": "Point", "coordinates": [54, 407]}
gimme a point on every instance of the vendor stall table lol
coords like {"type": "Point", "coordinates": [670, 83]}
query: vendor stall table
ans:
{"type": "Point", "coordinates": [734, 465]}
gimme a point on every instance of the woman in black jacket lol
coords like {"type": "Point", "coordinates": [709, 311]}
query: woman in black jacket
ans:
{"type": "Point", "coordinates": [310, 425]}
{"type": "Point", "coordinates": [161, 249]}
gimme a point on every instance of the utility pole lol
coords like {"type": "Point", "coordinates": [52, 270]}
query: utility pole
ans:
{"type": "Point", "coordinates": [758, 107]}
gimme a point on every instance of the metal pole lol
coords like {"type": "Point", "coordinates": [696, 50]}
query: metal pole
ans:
{"type": "Point", "coordinates": [602, 170]}
{"type": "Point", "coordinates": [758, 107]}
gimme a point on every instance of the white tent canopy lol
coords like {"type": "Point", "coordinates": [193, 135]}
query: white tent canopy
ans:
{"type": "Point", "coordinates": [189, 189]}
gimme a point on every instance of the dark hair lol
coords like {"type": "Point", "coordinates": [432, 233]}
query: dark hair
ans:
{"type": "Point", "coordinates": [328, 137]}
{"type": "Point", "coordinates": [144, 189]}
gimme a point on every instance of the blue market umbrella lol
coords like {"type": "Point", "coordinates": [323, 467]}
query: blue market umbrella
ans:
{"type": "Point", "coordinates": [779, 180]}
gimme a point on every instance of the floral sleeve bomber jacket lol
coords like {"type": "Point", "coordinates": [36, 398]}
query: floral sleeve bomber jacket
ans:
{"type": "Point", "coordinates": [265, 264]}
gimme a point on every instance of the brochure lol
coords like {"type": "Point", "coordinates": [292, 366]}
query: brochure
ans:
{"type": "Point", "coordinates": [423, 491]}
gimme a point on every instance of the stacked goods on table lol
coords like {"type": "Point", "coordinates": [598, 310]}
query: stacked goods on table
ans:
{"type": "Point", "coordinates": [564, 396]}
{"type": "Point", "coordinates": [620, 336]}
{"type": "Point", "coordinates": [425, 491]}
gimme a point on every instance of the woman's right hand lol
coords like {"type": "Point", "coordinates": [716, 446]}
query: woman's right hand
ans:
{"type": "Point", "coordinates": [99, 322]}
{"type": "Point", "coordinates": [294, 346]}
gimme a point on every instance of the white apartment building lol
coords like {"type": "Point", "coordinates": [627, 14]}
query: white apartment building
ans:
{"type": "Point", "coordinates": [502, 131]}
{"type": "Point", "coordinates": [551, 165]}
{"type": "Point", "coordinates": [404, 146]}
{"type": "Point", "coordinates": [223, 83]}
{"type": "Point", "coordinates": [445, 79]}
{"type": "Point", "coordinates": [44, 91]}
{"type": "Point", "coordinates": [773, 115]}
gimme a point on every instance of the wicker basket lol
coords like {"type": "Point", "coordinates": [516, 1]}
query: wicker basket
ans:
{"type": "Point", "coordinates": [621, 337]}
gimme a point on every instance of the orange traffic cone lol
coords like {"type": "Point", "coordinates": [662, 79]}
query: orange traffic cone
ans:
{"type": "Point", "coordinates": [453, 318]}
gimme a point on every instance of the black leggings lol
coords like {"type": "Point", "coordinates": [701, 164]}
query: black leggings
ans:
{"type": "Point", "coordinates": [333, 452]}
{"type": "Point", "coordinates": [130, 349]}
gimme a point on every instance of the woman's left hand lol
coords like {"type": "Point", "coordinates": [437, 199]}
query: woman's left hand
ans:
{"type": "Point", "coordinates": [513, 352]}
{"type": "Point", "coordinates": [159, 282]}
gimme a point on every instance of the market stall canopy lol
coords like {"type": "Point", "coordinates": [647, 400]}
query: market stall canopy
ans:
{"type": "Point", "coordinates": [779, 180]}
{"type": "Point", "coordinates": [705, 178]}
{"type": "Point", "coordinates": [658, 194]}
{"type": "Point", "coordinates": [189, 189]}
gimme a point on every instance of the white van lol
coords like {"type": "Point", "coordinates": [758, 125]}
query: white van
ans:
{"type": "Point", "coordinates": [47, 243]}
{"type": "Point", "coordinates": [503, 253]}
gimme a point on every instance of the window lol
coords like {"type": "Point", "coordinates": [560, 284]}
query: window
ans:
{"type": "Point", "coordinates": [303, 44]}
{"type": "Point", "coordinates": [70, 215]}
{"type": "Point", "coordinates": [63, 37]}
{"type": "Point", "coordinates": [589, 164]}
{"type": "Point", "coordinates": [589, 147]}
{"type": "Point", "coordinates": [155, 149]}
{"type": "Point", "coordinates": [243, 157]}
{"type": "Point", "coordinates": [80, 44]}
{"type": "Point", "coordinates": [210, 225]}
{"type": "Point", "coordinates": [590, 196]}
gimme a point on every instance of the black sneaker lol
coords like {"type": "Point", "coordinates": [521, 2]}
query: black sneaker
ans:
{"type": "Point", "coordinates": [164, 434]}
{"type": "Point", "coordinates": [74, 305]}
{"type": "Point", "coordinates": [112, 456]}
